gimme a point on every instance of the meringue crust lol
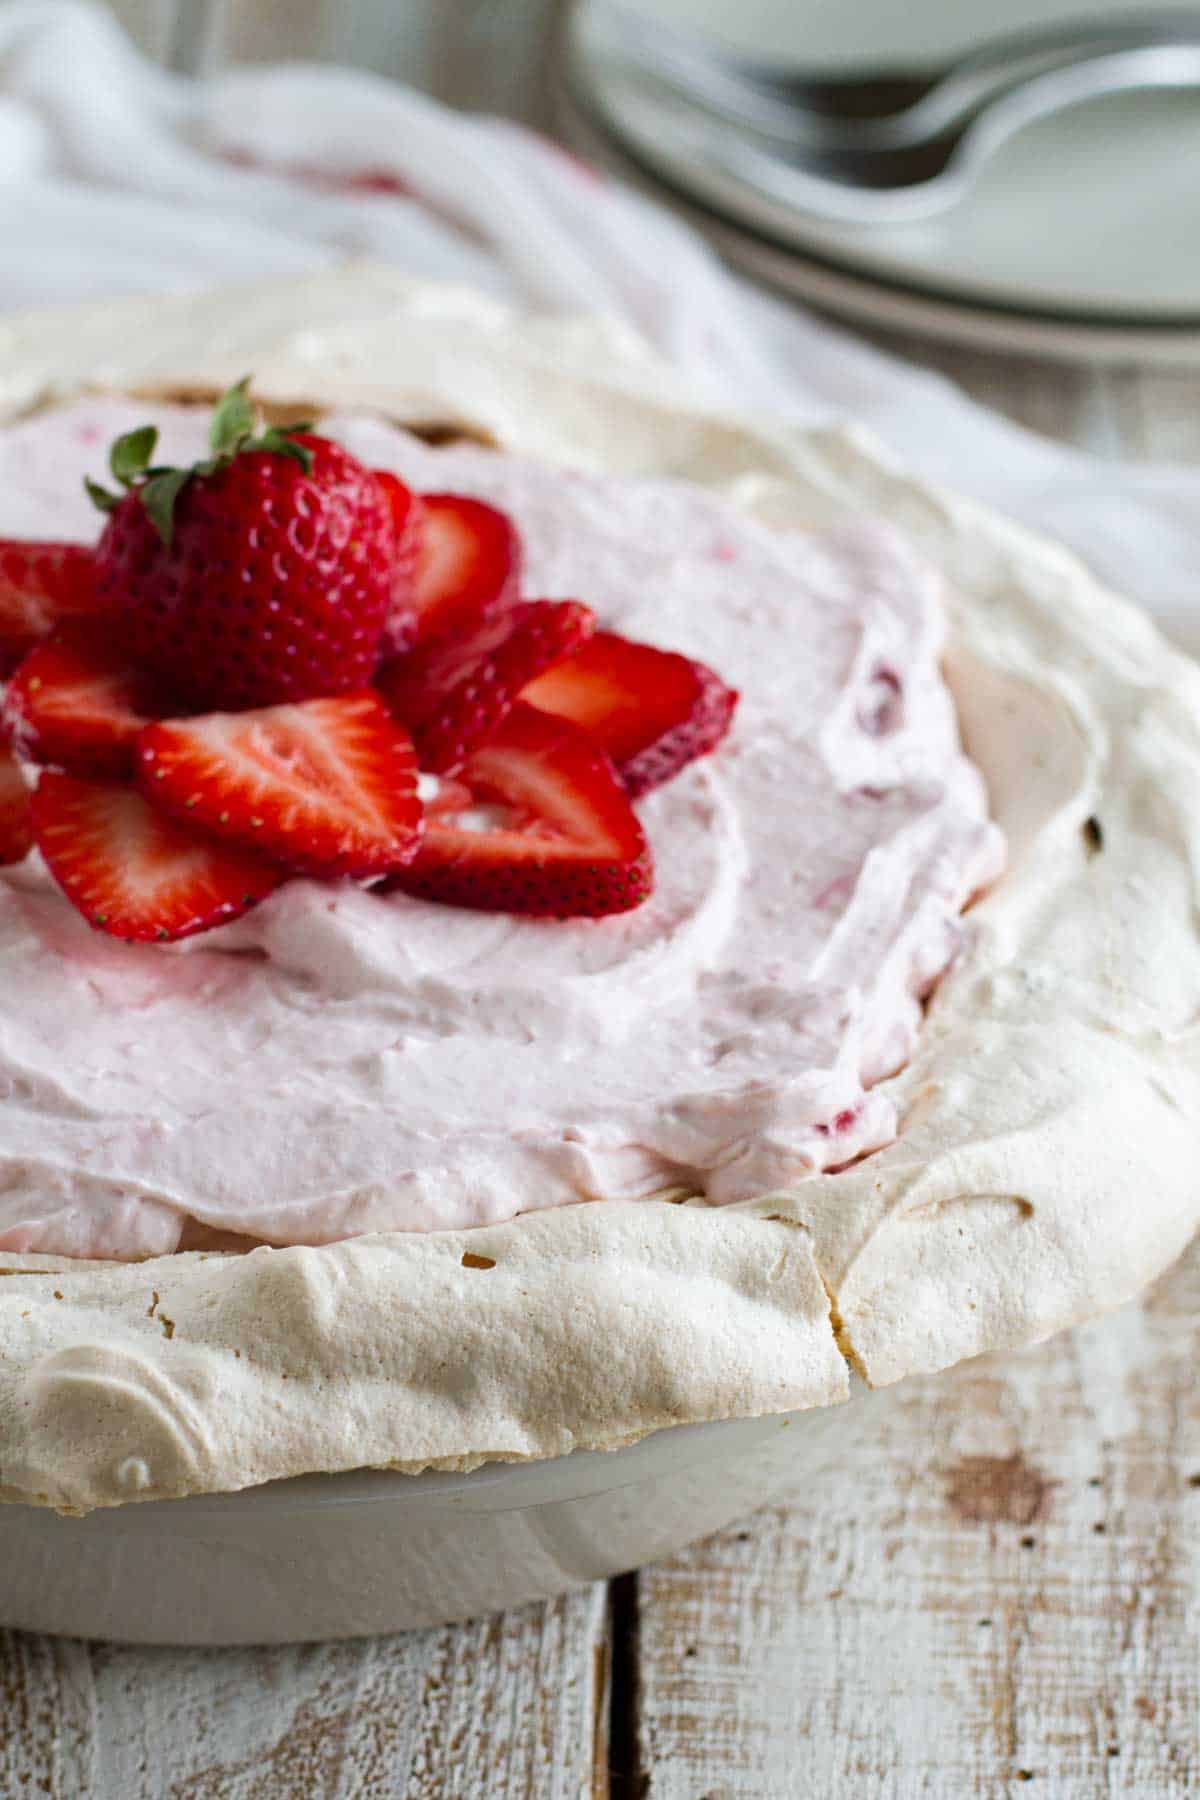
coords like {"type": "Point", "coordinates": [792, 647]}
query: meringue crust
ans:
{"type": "Point", "coordinates": [1042, 1171]}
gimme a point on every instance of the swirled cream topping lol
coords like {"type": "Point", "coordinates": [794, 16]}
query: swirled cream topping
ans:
{"type": "Point", "coordinates": [340, 1062]}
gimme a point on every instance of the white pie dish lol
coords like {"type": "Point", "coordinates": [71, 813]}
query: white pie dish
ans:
{"type": "Point", "coordinates": [1057, 1074]}
{"type": "Point", "coordinates": [334, 1556]}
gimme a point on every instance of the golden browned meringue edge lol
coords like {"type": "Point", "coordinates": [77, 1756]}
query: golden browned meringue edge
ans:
{"type": "Point", "coordinates": [1044, 1169]}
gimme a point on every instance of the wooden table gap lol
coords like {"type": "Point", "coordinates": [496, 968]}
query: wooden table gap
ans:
{"type": "Point", "coordinates": [627, 1777]}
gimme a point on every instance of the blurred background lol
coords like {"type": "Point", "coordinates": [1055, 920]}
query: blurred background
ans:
{"type": "Point", "coordinates": [1065, 215]}
{"type": "Point", "coordinates": [485, 53]}
{"type": "Point", "coordinates": [482, 54]}
{"type": "Point", "coordinates": [1033, 240]}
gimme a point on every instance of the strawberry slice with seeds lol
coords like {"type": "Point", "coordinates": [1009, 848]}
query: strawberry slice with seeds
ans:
{"type": "Point", "coordinates": [550, 832]}
{"type": "Point", "coordinates": [324, 787]}
{"type": "Point", "coordinates": [453, 691]}
{"type": "Point", "coordinates": [78, 701]}
{"type": "Point", "coordinates": [407, 520]}
{"type": "Point", "coordinates": [468, 564]}
{"type": "Point", "coordinates": [41, 583]}
{"type": "Point", "coordinates": [133, 873]}
{"type": "Point", "coordinates": [651, 710]}
{"type": "Point", "coordinates": [16, 824]}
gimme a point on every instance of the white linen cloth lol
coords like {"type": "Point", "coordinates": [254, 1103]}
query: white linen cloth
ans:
{"type": "Point", "coordinates": [117, 178]}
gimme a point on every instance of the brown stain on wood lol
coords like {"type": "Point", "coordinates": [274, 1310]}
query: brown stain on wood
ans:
{"type": "Point", "coordinates": [997, 1490]}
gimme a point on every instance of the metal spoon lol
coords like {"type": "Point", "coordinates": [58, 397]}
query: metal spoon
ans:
{"type": "Point", "coordinates": [883, 187]}
{"type": "Point", "coordinates": [877, 108]}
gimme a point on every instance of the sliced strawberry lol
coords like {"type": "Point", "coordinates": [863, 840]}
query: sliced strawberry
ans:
{"type": "Point", "coordinates": [325, 787]}
{"type": "Point", "coordinates": [131, 872]}
{"type": "Point", "coordinates": [453, 691]}
{"type": "Point", "coordinates": [407, 520]}
{"type": "Point", "coordinates": [651, 710]}
{"type": "Point", "coordinates": [77, 700]}
{"type": "Point", "coordinates": [16, 825]}
{"type": "Point", "coordinates": [441, 794]}
{"type": "Point", "coordinates": [566, 843]}
{"type": "Point", "coordinates": [468, 564]}
{"type": "Point", "coordinates": [41, 583]}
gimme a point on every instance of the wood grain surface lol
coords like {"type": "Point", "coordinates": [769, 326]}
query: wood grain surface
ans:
{"type": "Point", "coordinates": [997, 1588]}
{"type": "Point", "coordinates": [505, 1707]}
{"type": "Point", "coordinates": [995, 1591]}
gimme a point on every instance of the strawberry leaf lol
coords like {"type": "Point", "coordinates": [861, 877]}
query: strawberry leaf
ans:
{"type": "Point", "coordinates": [278, 441]}
{"type": "Point", "coordinates": [159, 495]}
{"type": "Point", "coordinates": [130, 455]}
{"type": "Point", "coordinates": [233, 421]}
{"type": "Point", "coordinates": [232, 432]}
{"type": "Point", "coordinates": [101, 496]}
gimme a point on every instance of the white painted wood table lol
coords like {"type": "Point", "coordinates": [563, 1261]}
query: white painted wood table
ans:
{"type": "Point", "coordinates": [998, 1593]}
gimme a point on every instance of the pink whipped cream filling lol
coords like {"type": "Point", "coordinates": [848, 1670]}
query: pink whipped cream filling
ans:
{"type": "Point", "coordinates": [339, 1063]}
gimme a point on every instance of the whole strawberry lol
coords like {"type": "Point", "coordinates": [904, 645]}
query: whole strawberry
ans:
{"type": "Point", "coordinates": [262, 574]}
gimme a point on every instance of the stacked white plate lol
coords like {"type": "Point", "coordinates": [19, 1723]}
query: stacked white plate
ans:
{"type": "Point", "coordinates": [1081, 237]}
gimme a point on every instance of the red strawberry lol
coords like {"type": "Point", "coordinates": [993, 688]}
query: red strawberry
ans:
{"type": "Point", "coordinates": [569, 845]}
{"type": "Point", "coordinates": [454, 691]}
{"type": "Point", "coordinates": [78, 701]}
{"type": "Point", "coordinates": [407, 527]}
{"type": "Point", "coordinates": [16, 826]}
{"type": "Point", "coordinates": [651, 710]}
{"type": "Point", "coordinates": [441, 794]}
{"type": "Point", "coordinates": [326, 787]}
{"type": "Point", "coordinates": [131, 872]}
{"type": "Point", "coordinates": [39, 585]}
{"type": "Point", "coordinates": [468, 564]}
{"type": "Point", "coordinates": [262, 575]}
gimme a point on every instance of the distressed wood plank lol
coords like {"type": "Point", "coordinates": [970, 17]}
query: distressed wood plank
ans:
{"type": "Point", "coordinates": [998, 1586]}
{"type": "Point", "coordinates": [1112, 412]}
{"type": "Point", "coordinates": [1158, 413]}
{"type": "Point", "coordinates": [1056, 399]}
{"type": "Point", "coordinates": [498, 1709]}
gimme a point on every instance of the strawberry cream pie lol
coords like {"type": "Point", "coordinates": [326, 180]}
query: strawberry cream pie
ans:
{"type": "Point", "coordinates": [418, 852]}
